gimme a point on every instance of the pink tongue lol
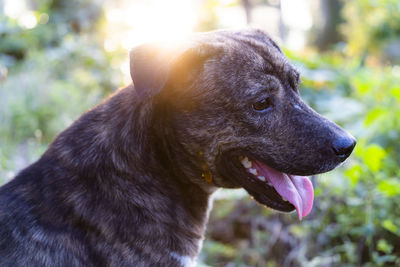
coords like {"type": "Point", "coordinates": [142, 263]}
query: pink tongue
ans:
{"type": "Point", "coordinates": [298, 190]}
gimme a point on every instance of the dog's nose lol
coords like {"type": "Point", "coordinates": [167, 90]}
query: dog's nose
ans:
{"type": "Point", "coordinates": [343, 146]}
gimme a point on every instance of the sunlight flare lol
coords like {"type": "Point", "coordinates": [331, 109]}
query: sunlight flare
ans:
{"type": "Point", "coordinates": [155, 20]}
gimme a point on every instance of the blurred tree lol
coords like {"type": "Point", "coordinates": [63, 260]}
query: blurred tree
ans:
{"type": "Point", "coordinates": [327, 19]}
{"type": "Point", "coordinates": [247, 8]}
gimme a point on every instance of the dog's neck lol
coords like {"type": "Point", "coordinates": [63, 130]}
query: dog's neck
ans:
{"type": "Point", "coordinates": [160, 209]}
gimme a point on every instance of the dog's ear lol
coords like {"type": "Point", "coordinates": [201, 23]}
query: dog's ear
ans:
{"type": "Point", "coordinates": [151, 65]}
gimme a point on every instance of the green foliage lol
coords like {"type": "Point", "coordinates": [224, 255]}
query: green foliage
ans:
{"type": "Point", "coordinates": [372, 25]}
{"type": "Point", "coordinates": [54, 75]}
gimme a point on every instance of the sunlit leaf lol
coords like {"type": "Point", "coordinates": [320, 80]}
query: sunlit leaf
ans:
{"type": "Point", "coordinates": [360, 147]}
{"type": "Point", "coordinates": [317, 191]}
{"type": "Point", "coordinates": [373, 156]}
{"type": "Point", "coordinates": [390, 226]}
{"type": "Point", "coordinates": [353, 174]}
{"type": "Point", "coordinates": [396, 92]}
{"type": "Point", "coordinates": [362, 85]}
{"type": "Point", "coordinates": [384, 246]}
{"type": "Point", "coordinates": [374, 114]}
{"type": "Point", "coordinates": [389, 187]}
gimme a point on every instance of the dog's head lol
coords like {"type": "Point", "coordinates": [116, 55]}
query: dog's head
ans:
{"type": "Point", "coordinates": [231, 100]}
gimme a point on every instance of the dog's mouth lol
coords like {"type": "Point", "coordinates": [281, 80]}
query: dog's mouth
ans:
{"type": "Point", "coordinates": [272, 188]}
{"type": "Point", "coordinates": [282, 191]}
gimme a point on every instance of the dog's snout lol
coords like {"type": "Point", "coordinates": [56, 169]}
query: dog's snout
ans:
{"type": "Point", "coordinates": [343, 146]}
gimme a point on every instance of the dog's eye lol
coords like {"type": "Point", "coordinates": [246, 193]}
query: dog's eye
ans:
{"type": "Point", "coordinates": [262, 105]}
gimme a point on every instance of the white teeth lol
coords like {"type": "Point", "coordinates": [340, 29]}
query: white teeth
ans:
{"type": "Point", "coordinates": [246, 163]}
{"type": "Point", "coordinates": [268, 183]}
{"type": "Point", "coordinates": [261, 178]}
{"type": "Point", "coordinates": [253, 171]}
{"type": "Point", "coordinates": [284, 199]}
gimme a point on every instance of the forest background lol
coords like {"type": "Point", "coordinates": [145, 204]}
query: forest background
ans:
{"type": "Point", "coordinates": [60, 57]}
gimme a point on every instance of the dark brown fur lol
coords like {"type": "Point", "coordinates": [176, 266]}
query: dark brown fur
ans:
{"type": "Point", "coordinates": [128, 184]}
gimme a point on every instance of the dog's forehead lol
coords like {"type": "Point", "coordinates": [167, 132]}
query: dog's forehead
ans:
{"type": "Point", "coordinates": [248, 63]}
{"type": "Point", "coordinates": [254, 50]}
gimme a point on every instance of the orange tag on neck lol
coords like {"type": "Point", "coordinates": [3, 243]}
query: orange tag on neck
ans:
{"type": "Point", "coordinates": [207, 176]}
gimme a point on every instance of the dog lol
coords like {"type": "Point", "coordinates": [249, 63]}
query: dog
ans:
{"type": "Point", "coordinates": [129, 183]}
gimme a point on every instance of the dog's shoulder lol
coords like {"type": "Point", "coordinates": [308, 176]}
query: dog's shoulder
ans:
{"type": "Point", "coordinates": [26, 235]}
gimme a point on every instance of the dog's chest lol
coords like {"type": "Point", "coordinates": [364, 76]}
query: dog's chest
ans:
{"type": "Point", "coordinates": [183, 260]}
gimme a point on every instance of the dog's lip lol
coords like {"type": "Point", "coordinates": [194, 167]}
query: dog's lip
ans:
{"type": "Point", "coordinates": [297, 189]}
{"type": "Point", "coordinates": [259, 190]}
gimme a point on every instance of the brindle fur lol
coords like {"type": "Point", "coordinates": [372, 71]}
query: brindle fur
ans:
{"type": "Point", "coordinates": [124, 184]}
